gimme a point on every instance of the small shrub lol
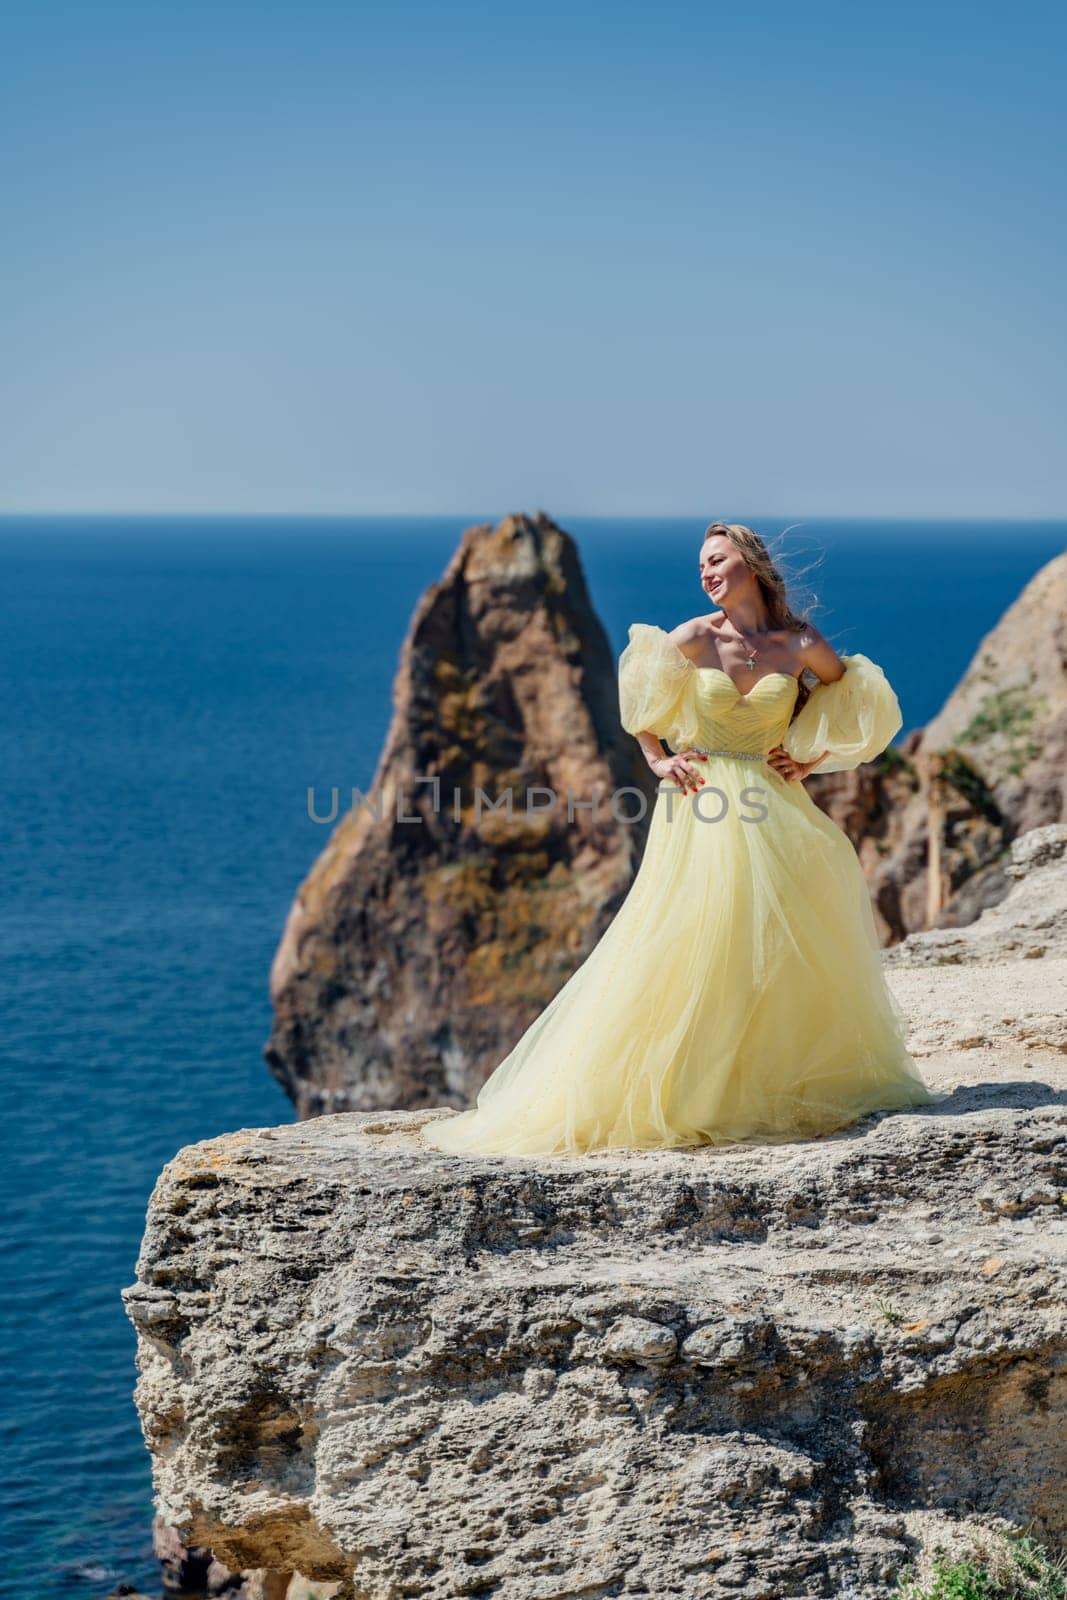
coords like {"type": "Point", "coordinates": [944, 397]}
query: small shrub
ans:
{"type": "Point", "coordinates": [1012, 1567]}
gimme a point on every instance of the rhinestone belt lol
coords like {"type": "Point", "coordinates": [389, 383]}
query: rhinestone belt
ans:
{"type": "Point", "coordinates": [741, 755]}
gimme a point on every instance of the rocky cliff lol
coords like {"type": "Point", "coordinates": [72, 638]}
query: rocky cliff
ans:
{"type": "Point", "coordinates": [766, 1371]}
{"type": "Point", "coordinates": [1008, 715]}
{"type": "Point", "coordinates": [419, 944]}
{"type": "Point", "coordinates": [991, 766]}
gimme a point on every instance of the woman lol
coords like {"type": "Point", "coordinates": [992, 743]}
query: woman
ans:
{"type": "Point", "coordinates": [738, 994]}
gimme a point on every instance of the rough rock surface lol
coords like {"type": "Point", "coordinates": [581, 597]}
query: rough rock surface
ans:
{"type": "Point", "coordinates": [1029, 923]}
{"type": "Point", "coordinates": [764, 1371]}
{"type": "Point", "coordinates": [998, 753]}
{"type": "Point", "coordinates": [418, 951]}
{"type": "Point", "coordinates": [1008, 714]}
{"type": "Point", "coordinates": [1002, 981]}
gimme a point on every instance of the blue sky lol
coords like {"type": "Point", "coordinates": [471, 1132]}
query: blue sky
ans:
{"type": "Point", "coordinates": [470, 258]}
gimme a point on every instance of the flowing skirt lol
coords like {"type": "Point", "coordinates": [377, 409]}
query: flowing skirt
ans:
{"type": "Point", "coordinates": [737, 996]}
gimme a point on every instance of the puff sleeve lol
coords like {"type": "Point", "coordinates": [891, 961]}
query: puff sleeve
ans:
{"type": "Point", "coordinates": [854, 718]}
{"type": "Point", "coordinates": [656, 687]}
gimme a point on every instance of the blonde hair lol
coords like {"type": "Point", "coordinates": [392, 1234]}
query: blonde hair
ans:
{"type": "Point", "coordinates": [772, 585]}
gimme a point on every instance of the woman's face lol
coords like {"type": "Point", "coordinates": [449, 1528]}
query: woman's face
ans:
{"type": "Point", "coordinates": [724, 573]}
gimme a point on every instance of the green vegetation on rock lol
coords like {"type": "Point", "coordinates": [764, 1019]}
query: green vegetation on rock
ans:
{"type": "Point", "coordinates": [1007, 714]}
{"type": "Point", "coordinates": [1007, 1568]}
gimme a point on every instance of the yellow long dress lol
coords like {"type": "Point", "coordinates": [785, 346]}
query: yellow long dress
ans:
{"type": "Point", "coordinates": [738, 994]}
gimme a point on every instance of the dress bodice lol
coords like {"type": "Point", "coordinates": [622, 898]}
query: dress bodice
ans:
{"type": "Point", "coordinates": [852, 719]}
{"type": "Point", "coordinates": [754, 721]}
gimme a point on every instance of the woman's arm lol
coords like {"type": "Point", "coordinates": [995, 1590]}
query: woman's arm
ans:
{"type": "Point", "coordinates": [847, 719]}
{"type": "Point", "coordinates": [815, 652]}
{"type": "Point", "coordinates": [651, 748]}
{"type": "Point", "coordinates": [821, 657]}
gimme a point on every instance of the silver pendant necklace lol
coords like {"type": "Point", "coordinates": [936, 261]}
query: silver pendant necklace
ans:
{"type": "Point", "coordinates": [750, 660]}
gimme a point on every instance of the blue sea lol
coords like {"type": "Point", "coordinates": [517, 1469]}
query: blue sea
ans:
{"type": "Point", "coordinates": [172, 687]}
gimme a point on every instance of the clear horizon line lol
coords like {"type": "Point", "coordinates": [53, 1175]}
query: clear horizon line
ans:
{"type": "Point", "coordinates": [469, 516]}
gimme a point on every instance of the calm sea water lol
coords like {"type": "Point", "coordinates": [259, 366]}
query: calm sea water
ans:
{"type": "Point", "coordinates": [171, 688]}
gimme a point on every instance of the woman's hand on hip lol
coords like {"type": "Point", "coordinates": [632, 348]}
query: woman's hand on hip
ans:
{"type": "Point", "coordinates": [793, 771]}
{"type": "Point", "coordinates": [681, 767]}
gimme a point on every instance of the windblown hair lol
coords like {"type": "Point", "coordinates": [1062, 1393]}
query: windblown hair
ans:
{"type": "Point", "coordinates": [772, 585]}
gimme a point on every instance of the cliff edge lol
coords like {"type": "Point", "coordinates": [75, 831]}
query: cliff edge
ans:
{"type": "Point", "coordinates": [770, 1371]}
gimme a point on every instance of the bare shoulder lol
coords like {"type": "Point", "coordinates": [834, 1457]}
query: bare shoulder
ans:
{"type": "Point", "coordinates": [691, 632]}
{"type": "Point", "coordinates": [818, 654]}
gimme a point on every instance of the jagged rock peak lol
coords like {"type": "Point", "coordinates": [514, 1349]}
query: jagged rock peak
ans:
{"type": "Point", "coordinates": [416, 952]}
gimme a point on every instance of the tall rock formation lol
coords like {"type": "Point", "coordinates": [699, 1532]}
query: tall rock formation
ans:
{"type": "Point", "coordinates": [1007, 718]}
{"type": "Point", "coordinates": [417, 951]}
{"type": "Point", "coordinates": [990, 766]}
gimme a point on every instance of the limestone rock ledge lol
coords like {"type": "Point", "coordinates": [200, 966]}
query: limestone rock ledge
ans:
{"type": "Point", "coordinates": [763, 1371]}
{"type": "Point", "coordinates": [1029, 924]}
